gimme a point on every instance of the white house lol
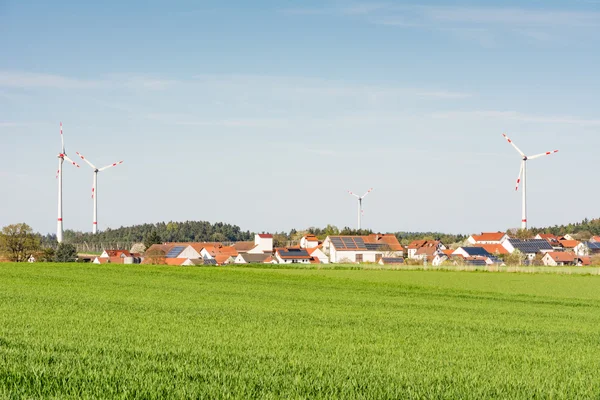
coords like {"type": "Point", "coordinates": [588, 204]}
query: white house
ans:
{"type": "Point", "coordinates": [354, 249]}
{"type": "Point", "coordinates": [292, 256]}
{"type": "Point", "coordinates": [488, 238]}
{"type": "Point", "coordinates": [529, 247]}
{"type": "Point", "coordinates": [246, 258]}
{"type": "Point", "coordinates": [309, 241]}
{"type": "Point", "coordinates": [317, 253]}
{"type": "Point", "coordinates": [555, 258]}
{"type": "Point", "coordinates": [263, 243]}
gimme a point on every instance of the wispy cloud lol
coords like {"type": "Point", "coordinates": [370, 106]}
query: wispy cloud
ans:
{"type": "Point", "coordinates": [534, 23]}
{"type": "Point", "coordinates": [518, 116]}
{"type": "Point", "coordinates": [32, 80]}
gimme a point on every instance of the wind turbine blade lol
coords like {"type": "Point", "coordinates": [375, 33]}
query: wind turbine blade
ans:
{"type": "Point", "coordinates": [353, 194]}
{"type": "Point", "coordinates": [86, 160]}
{"type": "Point", "coordinates": [543, 154]}
{"type": "Point", "coordinates": [520, 175]}
{"type": "Point", "coordinates": [111, 165]}
{"type": "Point", "coordinates": [368, 191]}
{"type": "Point", "coordinates": [62, 139]}
{"type": "Point", "coordinates": [71, 161]}
{"type": "Point", "coordinates": [514, 145]}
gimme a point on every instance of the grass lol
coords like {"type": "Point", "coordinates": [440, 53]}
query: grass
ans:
{"type": "Point", "coordinates": [114, 331]}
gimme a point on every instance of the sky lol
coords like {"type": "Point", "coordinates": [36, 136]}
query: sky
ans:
{"type": "Point", "coordinates": [264, 114]}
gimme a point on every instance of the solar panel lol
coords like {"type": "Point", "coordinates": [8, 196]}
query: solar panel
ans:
{"type": "Point", "coordinates": [349, 242]}
{"type": "Point", "coordinates": [476, 251]}
{"type": "Point", "coordinates": [593, 245]}
{"type": "Point", "coordinates": [174, 252]}
{"type": "Point", "coordinates": [530, 246]}
{"type": "Point", "coordinates": [372, 246]}
{"type": "Point", "coordinates": [359, 242]}
{"type": "Point", "coordinates": [477, 263]}
{"type": "Point", "coordinates": [294, 253]}
{"type": "Point", "coordinates": [210, 261]}
{"type": "Point", "coordinates": [337, 242]}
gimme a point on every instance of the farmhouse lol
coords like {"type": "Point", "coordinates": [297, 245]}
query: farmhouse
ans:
{"type": "Point", "coordinates": [292, 256]}
{"type": "Point", "coordinates": [309, 241]}
{"type": "Point", "coordinates": [355, 249]}
{"type": "Point", "coordinates": [556, 258]}
{"type": "Point", "coordinates": [416, 245]}
{"type": "Point", "coordinates": [246, 258]}
{"type": "Point", "coordinates": [529, 247]}
{"type": "Point", "coordinates": [318, 254]}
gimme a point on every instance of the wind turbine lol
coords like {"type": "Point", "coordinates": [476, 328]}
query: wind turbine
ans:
{"type": "Point", "coordinates": [523, 177]}
{"type": "Point", "coordinates": [360, 199]}
{"type": "Point", "coordinates": [95, 187]}
{"type": "Point", "coordinates": [62, 156]}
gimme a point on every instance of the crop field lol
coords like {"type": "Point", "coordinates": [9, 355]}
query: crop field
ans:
{"type": "Point", "coordinates": [115, 331]}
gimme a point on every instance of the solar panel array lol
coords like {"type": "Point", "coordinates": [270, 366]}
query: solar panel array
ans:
{"type": "Point", "coordinates": [174, 252]}
{"type": "Point", "coordinates": [531, 246]}
{"type": "Point", "coordinates": [477, 263]}
{"type": "Point", "coordinates": [476, 251]}
{"type": "Point", "coordinates": [593, 246]}
{"type": "Point", "coordinates": [302, 253]}
{"type": "Point", "coordinates": [393, 260]}
{"type": "Point", "coordinates": [350, 243]}
{"type": "Point", "coordinates": [210, 261]}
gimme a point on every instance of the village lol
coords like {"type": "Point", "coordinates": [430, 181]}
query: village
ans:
{"type": "Point", "coordinates": [488, 248]}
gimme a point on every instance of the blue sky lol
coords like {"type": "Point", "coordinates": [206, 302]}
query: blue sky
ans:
{"type": "Point", "coordinates": [263, 114]}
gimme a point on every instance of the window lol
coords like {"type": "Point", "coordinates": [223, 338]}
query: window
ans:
{"type": "Point", "coordinates": [359, 258]}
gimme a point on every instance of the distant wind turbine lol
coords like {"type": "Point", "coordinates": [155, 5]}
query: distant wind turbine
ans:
{"type": "Point", "coordinates": [360, 199]}
{"type": "Point", "coordinates": [95, 187]}
{"type": "Point", "coordinates": [62, 156]}
{"type": "Point", "coordinates": [523, 177]}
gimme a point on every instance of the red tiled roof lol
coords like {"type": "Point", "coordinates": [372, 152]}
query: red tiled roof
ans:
{"type": "Point", "coordinates": [569, 244]}
{"type": "Point", "coordinates": [311, 238]}
{"type": "Point", "coordinates": [596, 239]}
{"type": "Point", "coordinates": [221, 258]}
{"type": "Point", "coordinates": [426, 250]}
{"type": "Point", "coordinates": [118, 253]}
{"type": "Point", "coordinates": [415, 244]}
{"type": "Point", "coordinates": [243, 246]}
{"type": "Point", "coordinates": [547, 236]}
{"type": "Point", "coordinates": [175, 261]}
{"type": "Point", "coordinates": [489, 237]}
{"type": "Point", "coordinates": [387, 239]}
{"type": "Point", "coordinates": [493, 248]}
{"type": "Point", "coordinates": [268, 260]}
{"type": "Point", "coordinates": [265, 236]}
{"type": "Point", "coordinates": [448, 252]}
{"type": "Point", "coordinates": [561, 256]}
{"type": "Point", "coordinates": [585, 260]}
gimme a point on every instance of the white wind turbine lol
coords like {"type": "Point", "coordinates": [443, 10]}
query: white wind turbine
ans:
{"type": "Point", "coordinates": [523, 177]}
{"type": "Point", "coordinates": [62, 156]}
{"type": "Point", "coordinates": [95, 187]}
{"type": "Point", "coordinates": [360, 199]}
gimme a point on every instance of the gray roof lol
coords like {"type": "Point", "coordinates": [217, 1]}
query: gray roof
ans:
{"type": "Point", "coordinates": [531, 245]}
{"type": "Point", "coordinates": [392, 260]}
{"type": "Point", "coordinates": [255, 258]}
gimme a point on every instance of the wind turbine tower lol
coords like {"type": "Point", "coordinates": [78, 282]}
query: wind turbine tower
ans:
{"type": "Point", "coordinates": [360, 199]}
{"type": "Point", "coordinates": [62, 156]}
{"type": "Point", "coordinates": [95, 188]}
{"type": "Point", "coordinates": [523, 177]}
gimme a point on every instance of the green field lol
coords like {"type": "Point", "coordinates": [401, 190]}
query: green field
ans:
{"type": "Point", "coordinates": [114, 331]}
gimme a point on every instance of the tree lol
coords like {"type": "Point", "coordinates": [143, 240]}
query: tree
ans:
{"type": "Point", "coordinates": [516, 258]}
{"type": "Point", "coordinates": [18, 242]}
{"type": "Point", "coordinates": [523, 234]}
{"type": "Point", "coordinates": [155, 256]}
{"type": "Point", "coordinates": [66, 252]}
{"type": "Point", "coordinates": [152, 238]}
{"type": "Point", "coordinates": [47, 255]}
{"type": "Point", "coordinates": [138, 248]}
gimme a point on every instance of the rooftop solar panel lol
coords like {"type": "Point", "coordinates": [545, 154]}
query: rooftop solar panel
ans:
{"type": "Point", "coordinates": [174, 252]}
{"type": "Point", "coordinates": [593, 245]}
{"type": "Point", "coordinates": [476, 251]}
{"type": "Point", "coordinates": [530, 246]}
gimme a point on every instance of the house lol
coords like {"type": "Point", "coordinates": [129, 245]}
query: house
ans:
{"type": "Point", "coordinates": [245, 258]}
{"type": "Point", "coordinates": [263, 243]}
{"type": "Point", "coordinates": [592, 247]}
{"type": "Point", "coordinates": [355, 249]}
{"type": "Point", "coordinates": [118, 257]}
{"type": "Point", "coordinates": [583, 261]}
{"type": "Point", "coordinates": [595, 239]}
{"type": "Point", "coordinates": [496, 249]}
{"type": "Point", "coordinates": [292, 256]}
{"type": "Point", "coordinates": [391, 261]}
{"type": "Point", "coordinates": [318, 254]}
{"type": "Point", "coordinates": [218, 250]}
{"type": "Point", "coordinates": [557, 258]}
{"type": "Point", "coordinates": [416, 245]}
{"type": "Point", "coordinates": [224, 259]}
{"type": "Point", "coordinates": [529, 247]}
{"type": "Point", "coordinates": [488, 238]}
{"type": "Point", "coordinates": [386, 240]}
{"type": "Point", "coordinates": [439, 259]}
{"type": "Point", "coordinates": [574, 246]}
{"type": "Point", "coordinates": [309, 241]}
{"type": "Point", "coordinates": [472, 252]}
